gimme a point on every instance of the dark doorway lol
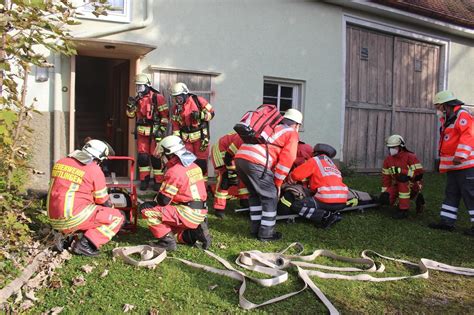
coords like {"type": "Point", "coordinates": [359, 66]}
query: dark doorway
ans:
{"type": "Point", "coordinates": [102, 88]}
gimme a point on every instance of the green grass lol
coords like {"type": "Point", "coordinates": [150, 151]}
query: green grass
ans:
{"type": "Point", "coordinates": [175, 288]}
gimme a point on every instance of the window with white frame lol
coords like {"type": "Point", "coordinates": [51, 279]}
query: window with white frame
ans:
{"type": "Point", "coordinates": [284, 94]}
{"type": "Point", "coordinates": [121, 10]}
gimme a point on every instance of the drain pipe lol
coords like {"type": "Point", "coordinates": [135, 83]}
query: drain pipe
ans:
{"type": "Point", "coordinates": [57, 108]}
{"type": "Point", "coordinates": [123, 28]}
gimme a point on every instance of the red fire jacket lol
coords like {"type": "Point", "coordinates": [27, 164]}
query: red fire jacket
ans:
{"type": "Point", "coordinates": [74, 191]}
{"type": "Point", "coordinates": [456, 141]}
{"type": "Point", "coordinates": [184, 125]}
{"type": "Point", "coordinates": [145, 112]}
{"type": "Point", "coordinates": [325, 179]}
{"type": "Point", "coordinates": [404, 162]}
{"type": "Point", "coordinates": [229, 143]}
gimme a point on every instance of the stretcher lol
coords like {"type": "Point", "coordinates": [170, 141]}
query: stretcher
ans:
{"type": "Point", "coordinates": [291, 217]}
{"type": "Point", "coordinates": [123, 194]}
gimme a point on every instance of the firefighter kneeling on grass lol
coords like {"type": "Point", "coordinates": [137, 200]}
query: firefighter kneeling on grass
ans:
{"type": "Point", "coordinates": [78, 200]}
{"type": "Point", "coordinates": [402, 175]}
{"type": "Point", "coordinates": [329, 193]}
{"type": "Point", "coordinates": [179, 207]}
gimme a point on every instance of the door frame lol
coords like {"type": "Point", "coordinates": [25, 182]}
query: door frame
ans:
{"type": "Point", "coordinates": [443, 42]}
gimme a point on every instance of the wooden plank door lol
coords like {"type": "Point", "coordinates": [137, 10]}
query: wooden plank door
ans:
{"type": "Point", "coordinates": [368, 113]}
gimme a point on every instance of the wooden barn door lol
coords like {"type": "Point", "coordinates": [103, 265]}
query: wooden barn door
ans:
{"type": "Point", "coordinates": [387, 93]}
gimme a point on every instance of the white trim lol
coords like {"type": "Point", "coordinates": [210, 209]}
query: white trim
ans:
{"type": "Point", "coordinates": [443, 42]}
{"type": "Point", "coordinates": [171, 69]}
{"type": "Point", "coordinates": [112, 16]}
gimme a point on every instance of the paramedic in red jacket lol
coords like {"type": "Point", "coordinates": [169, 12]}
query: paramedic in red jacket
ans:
{"type": "Point", "coordinates": [402, 175]}
{"type": "Point", "coordinates": [325, 183]}
{"type": "Point", "coordinates": [150, 110]}
{"type": "Point", "coordinates": [78, 199]}
{"type": "Point", "coordinates": [190, 117]}
{"type": "Point", "coordinates": [456, 145]}
{"type": "Point", "coordinates": [264, 184]}
{"type": "Point", "coordinates": [179, 207]}
{"type": "Point", "coordinates": [222, 158]}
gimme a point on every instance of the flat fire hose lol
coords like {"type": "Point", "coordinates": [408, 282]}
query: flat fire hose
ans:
{"type": "Point", "coordinates": [274, 265]}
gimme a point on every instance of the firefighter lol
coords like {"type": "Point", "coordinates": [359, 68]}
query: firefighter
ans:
{"type": "Point", "coordinates": [328, 192]}
{"type": "Point", "coordinates": [179, 207]}
{"type": "Point", "coordinates": [402, 177]}
{"type": "Point", "coordinates": [190, 120]}
{"type": "Point", "coordinates": [222, 158]}
{"type": "Point", "coordinates": [263, 168]}
{"type": "Point", "coordinates": [78, 200]}
{"type": "Point", "coordinates": [456, 144]}
{"type": "Point", "coordinates": [150, 110]}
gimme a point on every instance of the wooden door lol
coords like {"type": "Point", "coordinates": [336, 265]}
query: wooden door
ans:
{"type": "Point", "coordinates": [390, 83]}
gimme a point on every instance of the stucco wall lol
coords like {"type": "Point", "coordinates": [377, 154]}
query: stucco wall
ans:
{"type": "Point", "coordinates": [461, 70]}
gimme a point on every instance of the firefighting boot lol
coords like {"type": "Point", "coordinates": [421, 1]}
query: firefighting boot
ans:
{"type": "Point", "coordinates": [329, 219]}
{"type": "Point", "coordinates": [144, 183]}
{"type": "Point", "coordinates": [420, 203]}
{"type": "Point", "coordinates": [400, 214]}
{"type": "Point", "coordinates": [254, 227]}
{"type": "Point", "coordinates": [167, 242]}
{"type": "Point", "coordinates": [84, 247]}
{"type": "Point", "coordinates": [268, 234]}
{"type": "Point", "coordinates": [62, 242]}
{"type": "Point", "coordinates": [244, 203]}
{"type": "Point", "coordinates": [444, 224]}
{"type": "Point", "coordinates": [220, 214]}
{"type": "Point", "coordinates": [202, 234]}
{"type": "Point", "coordinates": [384, 198]}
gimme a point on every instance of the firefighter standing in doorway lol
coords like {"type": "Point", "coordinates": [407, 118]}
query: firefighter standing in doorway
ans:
{"type": "Point", "coordinates": [402, 177]}
{"type": "Point", "coordinates": [190, 118]}
{"type": "Point", "coordinates": [263, 168]}
{"type": "Point", "coordinates": [78, 200]}
{"type": "Point", "coordinates": [179, 207]}
{"type": "Point", "coordinates": [456, 146]}
{"type": "Point", "coordinates": [150, 110]}
{"type": "Point", "coordinates": [222, 158]}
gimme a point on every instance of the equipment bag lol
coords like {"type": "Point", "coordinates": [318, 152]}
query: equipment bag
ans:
{"type": "Point", "coordinates": [257, 125]}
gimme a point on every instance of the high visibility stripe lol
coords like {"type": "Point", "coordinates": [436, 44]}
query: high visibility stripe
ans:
{"type": "Point", "coordinates": [267, 223]}
{"type": "Point", "coordinates": [332, 188]}
{"type": "Point", "coordinates": [233, 148]}
{"type": "Point", "coordinates": [461, 155]}
{"type": "Point", "coordinates": [331, 196]}
{"type": "Point", "coordinates": [285, 202]}
{"type": "Point", "coordinates": [163, 107]}
{"type": "Point", "coordinates": [269, 213]}
{"type": "Point", "coordinates": [255, 155]}
{"type": "Point", "coordinates": [152, 217]}
{"type": "Point", "coordinates": [443, 166]}
{"type": "Point", "coordinates": [144, 130]}
{"type": "Point", "coordinates": [255, 217]}
{"type": "Point", "coordinates": [194, 192]}
{"type": "Point", "coordinates": [192, 215]}
{"type": "Point", "coordinates": [243, 191]}
{"type": "Point", "coordinates": [403, 195]}
{"type": "Point", "coordinates": [464, 147]}
{"type": "Point", "coordinates": [278, 134]}
{"type": "Point", "coordinates": [172, 190]}
{"type": "Point", "coordinates": [310, 213]}
{"type": "Point", "coordinates": [69, 200]}
{"type": "Point", "coordinates": [282, 177]}
{"type": "Point", "coordinates": [208, 107]}
{"type": "Point", "coordinates": [217, 155]}
{"type": "Point", "coordinates": [471, 212]}
{"type": "Point", "coordinates": [255, 208]}
{"type": "Point", "coordinates": [386, 171]}
{"type": "Point", "coordinates": [83, 215]}
{"type": "Point", "coordinates": [449, 215]}
{"type": "Point", "coordinates": [158, 172]}
{"type": "Point", "coordinates": [191, 136]}
{"type": "Point", "coordinates": [447, 207]}
{"type": "Point", "coordinates": [176, 133]}
{"type": "Point", "coordinates": [384, 189]}
{"type": "Point", "coordinates": [283, 168]}
{"type": "Point", "coordinates": [144, 169]}
{"type": "Point", "coordinates": [221, 195]}
{"type": "Point", "coordinates": [98, 194]}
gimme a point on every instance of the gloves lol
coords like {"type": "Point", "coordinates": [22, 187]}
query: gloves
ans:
{"type": "Point", "coordinates": [158, 132]}
{"type": "Point", "coordinates": [204, 144]}
{"type": "Point", "coordinates": [395, 170]}
{"type": "Point", "coordinates": [147, 205]}
{"type": "Point", "coordinates": [233, 179]}
{"type": "Point", "coordinates": [352, 202]}
{"type": "Point", "coordinates": [195, 115]}
{"type": "Point", "coordinates": [131, 104]}
{"type": "Point", "coordinates": [402, 178]}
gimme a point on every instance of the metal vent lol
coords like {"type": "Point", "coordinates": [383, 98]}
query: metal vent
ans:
{"type": "Point", "coordinates": [364, 53]}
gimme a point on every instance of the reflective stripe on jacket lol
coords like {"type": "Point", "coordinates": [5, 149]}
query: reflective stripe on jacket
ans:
{"type": "Point", "coordinates": [229, 143]}
{"type": "Point", "coordinates": [405, 162]}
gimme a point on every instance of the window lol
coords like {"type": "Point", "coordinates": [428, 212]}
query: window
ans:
{"type": "Point", "coordinates": [284, 94]}
{"type": "Point", "coordinates": [121, 10]}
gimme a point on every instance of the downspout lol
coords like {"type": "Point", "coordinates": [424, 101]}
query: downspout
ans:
{"type": "Point", "coordinates": [123, 28]}
{"type": "Point", "coordinates": [57, 108]}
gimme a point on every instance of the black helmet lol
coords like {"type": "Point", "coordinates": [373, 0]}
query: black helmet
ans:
{"type": "Point", "coordinates": [323, 148]}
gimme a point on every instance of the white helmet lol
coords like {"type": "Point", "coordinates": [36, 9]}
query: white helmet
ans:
{"type": "Point", "coordinates": [142, 78]}
{"type": "Point", "coordinates": [294, 114]}
{"type": "Point", "coordinates": [170, 145]}
{"type": "Point", "coordinates": [97, 149]}
{"type": "Point", "coordinates": [395, 141]}
{"type": "Point", "coordinates": [179, 88]}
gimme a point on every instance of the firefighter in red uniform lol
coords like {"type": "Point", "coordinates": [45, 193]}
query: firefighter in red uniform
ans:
{"type": "Point", "coordinates": [222, 158]}
{"type": "Point", "coordinates": [402, 175]}
{"type": "Point", "coordinates": [263, 168]}
{"type": "Point", "coordinates": [456, 154]}
{"type": "Point", "coordinates": [78, 200]}
{"type": "Point", "coordinates": [179, 207]}
{"type": "Point", "coordinates": [190, 118]}
{"type": "Point", "coordinates": [329, 193]}
{"type": "Point", "coordinates": [150, 110]}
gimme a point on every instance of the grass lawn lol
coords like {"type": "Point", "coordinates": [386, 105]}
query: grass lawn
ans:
{"type": "Point", "coordinates": [175, 288]}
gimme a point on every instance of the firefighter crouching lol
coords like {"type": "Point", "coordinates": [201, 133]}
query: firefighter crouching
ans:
{"type": "Point", "coordinates": [329, 193]}
{"type": "Point", "coordinates": [150, 110]}
{"type": "Point", "coordinates": [402, 178]}
{"type": "Point", "coordinates": [179, 207]}
{"type": "Point", "coordinates": [456, 145]}
{"type": "Point", "coordinates": [222, 158]}
{"type": "Point", "coordinates": [190, 120]}
{"type": "Point", "coordinates": [78, 200]}
{"type": "Point", "coordinates": [263, 173]}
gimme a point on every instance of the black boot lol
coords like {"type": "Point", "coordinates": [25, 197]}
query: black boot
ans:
{"type": "Point", "coordinates": [420, 203]}
{"type": "Point", "coordinates": [254, 227]}
{"type": "Point", "coordinates": [220, 214]}
{"type": "Point", "coordinates": [62, 242]}
{"type": "Point", "coordinates": [144, 183]}
{"type": "Point", "coordinates": [443, 225]}
{"type": "Point", "coordinates": [384, 199]}
{"type": "Point", "coordinates": [329, 219]}
{"type": "Point", "coordinates": [399, 215]}
{"type": "Point", "coordinates": [202, 234]}
{"type": "Point", "coordinates": [244, 203]}
{"type": "Point", "coordinates": [85, 247]}
{"type": "Point", "coordinates": [268, 234]}
{"type": "Point", "coordinates": [167, 242]}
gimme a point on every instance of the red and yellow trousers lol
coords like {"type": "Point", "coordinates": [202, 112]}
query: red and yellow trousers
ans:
{"type": "Point", "coordinates": [173, 218]}
{"type": "Point", "coordinates": [221, 195]}
{"type": "Point", "coordinates": [99, 228]}
{"type": "Point", "coordinates": [146, 160]}
{"type": "Point", "coordinates": [404, 192]}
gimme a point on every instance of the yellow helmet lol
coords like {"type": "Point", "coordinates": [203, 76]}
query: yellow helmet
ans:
{"type": "Point", "coordinates": [443, 97]}
{"type": "Point", "coordinates": [142, 78]}
{"type": "Point", "coordinates": [294, 114]}
{"type": "Point", "coordinates": [179, 88]}
{"type": "Point", "coordinates": [395, 141]}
